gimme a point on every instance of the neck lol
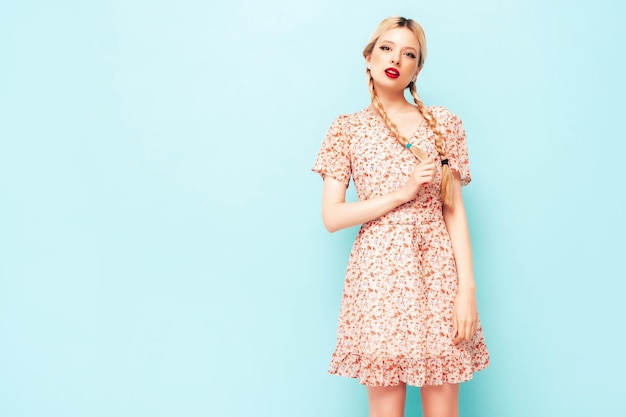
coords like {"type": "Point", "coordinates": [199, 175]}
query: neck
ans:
{"type": "Point", "coordinates": [392, 101]}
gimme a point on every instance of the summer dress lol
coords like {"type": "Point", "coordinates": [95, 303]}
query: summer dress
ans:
{"type": "Point", "coordinates": [395, 318]}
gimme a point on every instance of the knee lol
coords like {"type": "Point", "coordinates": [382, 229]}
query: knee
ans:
{"type": "Point", "coordinates": [386, 401]}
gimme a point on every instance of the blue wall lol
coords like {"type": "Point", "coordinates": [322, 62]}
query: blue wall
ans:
{"type": "Point", "coordinates": [161, 248]}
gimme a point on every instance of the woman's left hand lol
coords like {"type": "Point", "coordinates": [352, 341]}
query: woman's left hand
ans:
{"type": "Point", "coordinates": [464, 315]}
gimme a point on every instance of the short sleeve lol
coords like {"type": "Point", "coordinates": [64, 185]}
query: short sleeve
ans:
{"type": "Point", "coordinates": [333, 159]}
{"type": "Point", "coordinates": [455, 142]}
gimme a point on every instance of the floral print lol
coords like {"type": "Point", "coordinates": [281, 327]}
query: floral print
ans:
{"type": "Point", "coordinates": [395, 320]}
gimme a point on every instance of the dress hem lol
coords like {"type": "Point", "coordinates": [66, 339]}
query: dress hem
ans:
{"type": "Point", "coordinates": [413, 372]}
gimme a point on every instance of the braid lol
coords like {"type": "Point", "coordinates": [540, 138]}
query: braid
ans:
{"type": "Point", "coordinates": [446, 173]}
{"type": "Point", "coordinates": [447, 194]}
{"type": "Point", "coordinates": [419, 154]}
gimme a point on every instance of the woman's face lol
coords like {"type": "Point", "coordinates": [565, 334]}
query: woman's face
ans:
{"type": "Point", "coordinates": [393, 62]}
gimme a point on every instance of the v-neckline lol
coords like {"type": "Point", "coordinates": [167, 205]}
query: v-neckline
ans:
{"type": "Point", "coordinates": [413, 138]}
{"type": "Point", "coordinates": [381, 122]}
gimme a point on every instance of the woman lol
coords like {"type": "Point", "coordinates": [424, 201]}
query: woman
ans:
{"type": "Point", "coordinates": [408, 312]}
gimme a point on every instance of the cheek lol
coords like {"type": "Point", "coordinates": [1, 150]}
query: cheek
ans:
{"type": "Point", "coordinates": [377, 57]}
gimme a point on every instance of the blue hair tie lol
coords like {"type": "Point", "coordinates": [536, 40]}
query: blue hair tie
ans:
{"type": "Point", "coordinates": [408, 145]}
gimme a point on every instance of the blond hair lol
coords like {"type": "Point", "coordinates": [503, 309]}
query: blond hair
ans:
{"type": "Point", "coordinates": [398, 22]}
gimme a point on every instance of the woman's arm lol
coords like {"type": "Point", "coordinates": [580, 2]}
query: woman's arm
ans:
{"type": "Point", "coordinates": [337, 214]}
{"type": "Point", "coordinates": [465, 314]}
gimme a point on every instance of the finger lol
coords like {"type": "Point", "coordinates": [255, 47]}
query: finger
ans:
{"type": "Point", "coordinates": [468, 330]}
{"type": "Point", "coordinates": [455, 326]}
{"type": "Point", "coordinates": [426, 174]}
{"type": "Point", "coordinates": [419, 171]}
{"type": "Point", "coordinates": [419, 174]}
{"type": "Point", "coordinates": [474, 326]}
{"type": "Point", "coordinates": [462, 329]}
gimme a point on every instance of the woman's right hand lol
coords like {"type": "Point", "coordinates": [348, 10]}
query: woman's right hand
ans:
{"type": "Point", "coordinates": [423, 173]}
{"type": "Point", "coordinates": [337, 214]}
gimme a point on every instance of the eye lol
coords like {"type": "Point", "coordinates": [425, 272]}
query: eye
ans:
{"type": "Point", "coordinates": [410, 55]}
{"type": "Point", "coordinates": [385, 48]}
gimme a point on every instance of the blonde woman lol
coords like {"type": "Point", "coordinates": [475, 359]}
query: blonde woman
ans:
{"type": "Point", "coordinates": [408, 313]}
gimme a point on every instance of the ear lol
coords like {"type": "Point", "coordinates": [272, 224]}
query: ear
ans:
{"type": "Point", "coordinates": [368, 60]}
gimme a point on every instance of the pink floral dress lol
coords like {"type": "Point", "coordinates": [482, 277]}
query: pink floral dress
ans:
{"type": "Point", "coordinates": [395, 321]}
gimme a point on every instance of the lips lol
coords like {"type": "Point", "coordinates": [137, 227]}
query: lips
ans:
{"type": "Point", "coordinates": [392, 73]}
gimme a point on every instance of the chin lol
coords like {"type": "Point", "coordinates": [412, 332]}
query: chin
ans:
{"type": "Point", "coordinates": [392, 84]}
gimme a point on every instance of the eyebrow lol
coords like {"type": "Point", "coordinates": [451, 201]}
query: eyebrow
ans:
{"type": "Point", "coordinates": [392, 42]}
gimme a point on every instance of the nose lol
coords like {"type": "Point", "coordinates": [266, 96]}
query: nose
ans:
{"type": "Point", "coordinates": [395, 59]}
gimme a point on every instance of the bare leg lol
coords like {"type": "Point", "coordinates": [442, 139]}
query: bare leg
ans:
{"type": "Point", "coordinates": [387, 401]}
{"type": "Point", "coordinates": [440, 400]}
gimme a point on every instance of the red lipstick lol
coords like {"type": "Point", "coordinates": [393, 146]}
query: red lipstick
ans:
{"type": "Point", "coordinates": [392, 73]}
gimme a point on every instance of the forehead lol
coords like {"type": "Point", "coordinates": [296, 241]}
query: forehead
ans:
{"type": "Point", "coordinates": [401, 36]}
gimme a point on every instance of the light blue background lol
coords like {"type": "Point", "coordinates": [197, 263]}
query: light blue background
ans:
{"type": "Point", "coordinates": [161, 248]}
